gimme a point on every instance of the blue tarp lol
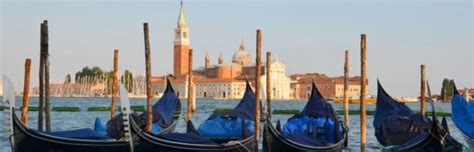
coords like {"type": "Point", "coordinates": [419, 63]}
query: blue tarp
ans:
{"type": "Point", "coordinates": [224, 125]}
{"type": "Point", "coordinates": [463, 115]}
{"type": "Point", "coordinates": [394, 122]}
{"type": "Point", "coordinates": [80, 134]}
{"type": "Point", "coordinates": [307, 128]}
{"type": "Point", "coordinates": [225, 128]}
{"type": "Point", "coordinates": [163, 112]}
{"type": "Point", "coordinates": [316, 125]}
{"type": "Point", "coordinates": [99, 127]}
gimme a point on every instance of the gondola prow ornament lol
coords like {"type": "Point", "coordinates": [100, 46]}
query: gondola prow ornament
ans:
{"type": "Point", "coordinates": [9, 102]}
{"type": "Point", "coordinates": [125, 107]}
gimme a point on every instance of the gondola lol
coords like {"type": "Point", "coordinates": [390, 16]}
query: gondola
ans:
{"type": "Point", "coordinates": [194, 140]}
{"type": "Point", "coordinates": [463, 116]}
{"type": "Point", "coordinates": [398, 128]}
{"type": "Point", "coordinates": [24, 139]}
{"type": "Point", "coordinates": [166, 112]}
{"type": "Point", "coordinates": [316, 128]}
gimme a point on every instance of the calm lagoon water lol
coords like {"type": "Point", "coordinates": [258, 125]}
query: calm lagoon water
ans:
{"type": "Point", "coordinates": [75, 120]}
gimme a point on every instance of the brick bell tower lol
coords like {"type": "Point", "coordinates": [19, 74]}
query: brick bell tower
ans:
{"type": "Point", "coordinates": [181, 45]}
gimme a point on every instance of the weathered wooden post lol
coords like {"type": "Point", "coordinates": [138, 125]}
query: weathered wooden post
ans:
{"type": "Point", "coordinates": [46, 77]}
{"type": "Point", "coordinates": [257, 88]}
{"type": "Point", "coordinates": [346, 88]}
{"type": "Point", "coordinates": [269, 87]}
{"type": "Point", "coordinates": [190, 86]}
{"type": "Point", "coordinates": [43, 53]}
{"type": "Point", "coordinates": [26, 92]}
{"type": "Point", "coordinates": [149, 93]}
{"type": "Point", "coordinates": [114, 84]}
{"type": "Point", "coordinates": [363, 91]}
{"type": "Point", "coordinates": [423, 90]}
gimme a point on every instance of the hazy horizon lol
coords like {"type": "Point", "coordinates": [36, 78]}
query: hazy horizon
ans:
{"type": "Point", "coordinates": [309, 36]}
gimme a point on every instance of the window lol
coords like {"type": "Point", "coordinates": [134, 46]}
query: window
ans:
{"type": "Point", "coordinates": [185, 35]}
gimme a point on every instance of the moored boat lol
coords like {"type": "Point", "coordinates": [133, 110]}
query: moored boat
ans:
{"type": "Point", "coordinates": [398, 128]}
{"type": "Point", "coordinates": [315, 128]}
{"type": "Point", "coordinates": [204, 139]}
{"type": "Point", "coordinates": [24, 139]}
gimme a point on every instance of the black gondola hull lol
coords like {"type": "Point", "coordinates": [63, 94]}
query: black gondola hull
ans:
{"type": "Point", "coordinates": [151, 143]}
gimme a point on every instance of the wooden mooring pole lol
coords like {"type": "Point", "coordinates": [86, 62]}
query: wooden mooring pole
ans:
{"type": "Point", "coordinates": [26, 92]}
{"type": "Point", "coordinates": [346, 88]}
{"type": "Point", "coordinates": [269, 87]}
{"type": "Point", "coordinates": [257, 88]}
{"type": "Point", "coordinates": [43, 54]}
{"type": "Point", "coordinates": [423, 90]}
{"type": "Point", "coordinates": [114, 84]}
{"type": "Point", "coordinates": [190, 86]}
{"type": "Point", "coordinates": [363, 92]}
{"type": "Point", "coordinates": [47, 104]}
{"type": "Point", "coordinates": [149, 93]}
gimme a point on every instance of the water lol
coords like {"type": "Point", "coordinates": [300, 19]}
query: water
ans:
{"type": "Point", "coordinates": [74, 120]}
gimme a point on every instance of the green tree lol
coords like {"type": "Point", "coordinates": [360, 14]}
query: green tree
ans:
{"type": "Point", "coordinates": [447, 89]}
{"type": "Point", "coordinates": [67, 79]}
{"type": "Point", "coordinates": [127, 80]}
{"type": "Point", "coordinates": [89, 75]}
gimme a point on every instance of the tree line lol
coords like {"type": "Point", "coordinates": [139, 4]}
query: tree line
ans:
{"type": "Point", "coordinates": [97, 75]}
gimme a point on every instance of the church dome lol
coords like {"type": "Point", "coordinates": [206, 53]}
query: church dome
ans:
{"type": "Point", "coordinates": [242, 57]}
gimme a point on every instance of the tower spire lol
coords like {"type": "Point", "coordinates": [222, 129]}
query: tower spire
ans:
{"type": "Point", "coordinates": [181, 18]}
{"type": "Point", "coordinates": [242, 47]}
{"type": "Point", "coordinates": [221, 58]}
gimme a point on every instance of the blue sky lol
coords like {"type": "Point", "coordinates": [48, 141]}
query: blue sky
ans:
{"type": "Point", "coordinates": [309, 35]}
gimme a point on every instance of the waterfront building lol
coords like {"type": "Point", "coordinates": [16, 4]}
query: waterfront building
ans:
{"type": "Point", "coordinates": [470, 94]}
{"type": "Point", "coordinates": [330, 87]}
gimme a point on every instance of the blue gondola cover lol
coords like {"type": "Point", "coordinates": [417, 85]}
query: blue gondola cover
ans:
{"type": "Point", "coordinates": [99, 127]}
{"type": "Point", "coordinates": [316, 125]}
{"type": "Point", "coordinates": [80, 134]}
{"type": "Point", "coordinates": [225, 125]}
{"type": "Point", "coordinates": [463, 115]}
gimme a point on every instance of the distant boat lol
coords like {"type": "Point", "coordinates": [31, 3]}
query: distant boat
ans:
{"type": "Point", "coordinates": [316, 128]}
{"type": "Point", "coordinates": [398, 128]}
{"type": "Point", "coordinates": [463, 116]}
{"type": "Point", "coordinates": [356, 100]}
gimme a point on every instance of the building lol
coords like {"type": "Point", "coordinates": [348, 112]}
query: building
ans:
{"type": "Point", "coordinates": [224, 80]}
{"type": "Point", "coordinates": [330, 87]}
{"type": "Point", "coordinates": [470, 94]}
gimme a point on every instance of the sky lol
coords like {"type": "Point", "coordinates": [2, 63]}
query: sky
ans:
{"type": "Point", "coordinates": [308, 35]}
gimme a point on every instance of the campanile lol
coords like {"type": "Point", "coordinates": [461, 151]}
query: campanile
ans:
{"type": "Point", "coordinates": [181, 45]}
